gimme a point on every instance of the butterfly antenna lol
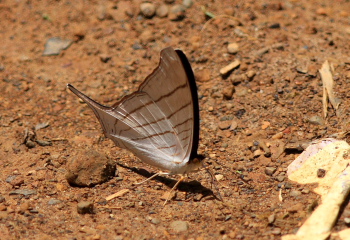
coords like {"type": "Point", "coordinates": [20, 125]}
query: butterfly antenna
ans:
{"type": "Point", "coordinates": [213, 182]}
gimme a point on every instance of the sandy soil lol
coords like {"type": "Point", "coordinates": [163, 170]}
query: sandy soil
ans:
{"type": "Point", "coordinates": [273, 98]}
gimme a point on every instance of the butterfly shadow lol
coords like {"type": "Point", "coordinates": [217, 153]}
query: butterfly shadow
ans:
{"type": "Point", "coordinates": [191, 188]}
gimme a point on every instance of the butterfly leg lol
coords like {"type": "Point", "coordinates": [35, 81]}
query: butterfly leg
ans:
{"type": "Point", "coordinates": [173, 188]}
{"type": "Point", "coordinates": [153, 176]}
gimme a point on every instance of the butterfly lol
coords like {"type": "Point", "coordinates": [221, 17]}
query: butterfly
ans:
{"type": "Point", "coordinates": [158, 123]}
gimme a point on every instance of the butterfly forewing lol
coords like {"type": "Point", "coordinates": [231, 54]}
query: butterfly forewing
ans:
{"type": "Point", "coordinates": [159, 123]}
{"type": "Point", "coordinates": [169, 87]}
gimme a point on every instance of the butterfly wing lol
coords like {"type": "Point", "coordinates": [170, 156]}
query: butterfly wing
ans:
{"type": "Point", "coordinates": [172, 87]}
{"type": "Point", "coordinates": [159, 123]}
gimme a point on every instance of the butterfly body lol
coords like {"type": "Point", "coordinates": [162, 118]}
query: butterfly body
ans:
{"type": "Point", "coordinates": [159, 123]}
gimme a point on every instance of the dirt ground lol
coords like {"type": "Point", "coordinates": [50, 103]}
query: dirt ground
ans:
{"type": "Point", "coordinates": [272, 100]}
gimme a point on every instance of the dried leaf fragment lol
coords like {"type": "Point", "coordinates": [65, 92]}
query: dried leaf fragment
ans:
{"type": "Point", "coordinates": [328, 83]}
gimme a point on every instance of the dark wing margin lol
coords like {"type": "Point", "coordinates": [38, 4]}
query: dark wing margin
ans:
{"type": "Point", "coordinates": [194, 94]}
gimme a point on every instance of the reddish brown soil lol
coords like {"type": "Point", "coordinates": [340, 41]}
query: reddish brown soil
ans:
{"type": "Point", "coordinates": [285, 93]}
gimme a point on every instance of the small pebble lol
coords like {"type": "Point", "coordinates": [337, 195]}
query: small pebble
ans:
{"type": "Point", "coordinates": [155, 221]}
{"type": "Point", "coordinates": [235, 79]}
{"type": "Point", "coordinates": [15, 180]}
{"type": "Point", "coordinates": [280, 178]}
{"type": "Point", "coordinates": [276, 231]}
{"type": "Point", "coordinates": [23, 207]}
{"type": "Point", "coordinates": [265, 125]}
{"type": "Point", "coordinates": [302, 69]}
{"type": "Point", "coordinates": [179, 226]}
{"type": "Point", "coordinates": [241, 91]}
{"type": "Point", "coordinates": [55, 45]}
{"type": "Point", "coordinates": [177, 12]}
{"type": "Point", "coordinates": [101, 12]}
{"type": "Point", "coordinates": [250, 74]}
{"type": "Point", "coordinates": [321, 11]}
{"type": "Point", "coordinates": [228, 92]}
{"type": "Point", "coordinates": [128, 8]}
{"type": "Point", "coordinates": [33, 211]}
{"type": "Point", "coordinates": [321, 173]}
{"type": "Point", "coordinates": [316, 120]}
{"type": "Point", "coordinates": [85, 207]}
{"type": "Point", "coordinates": [257, 153]}
{"type": "Point", "coordinates": [30, 144]}
{"type": "Point", "coordinates": [105, 58]}
{"type": "Point", "coordinates": [187, 3]}
{"type": "Point", "coordinates": [270, 170]}
{"type": "Point", "coordinates": [136, 46]}
{"type": "Point", "coordinates": [305, 191]}
{"type": "Point", "coordinates": [275, 26]}
{"type": "Point", "coordinates": [219, 177]}
{"type": "Point", "coordinates": [232, 48]}
{"type": "Point", "coordinates": [148, 9]}
{"type": "Point", "coordinates": [277, 135]}
{"type": "Point", "coordinates": [54, 201]}
{"type": "Point", "coordinates": [224, 145]}
{"type": "Point", "coordinates": [224, 125]}
{"type": "Point", "coordinates": [262, 51]}
{"type": "Point", "coordinates": [234, 125]}
{"type": "Point", "coordinates": [162, 11]}
{"type": "Point", "coordinates": [271, 218]}
{"type": "Point", "coordinates": [265, 148]}
{"type": "Point", "coordinates": [347, 220]}
{"type": "Point", "coordinates": [146, 36]}
{"type": "Point", "coordinates": [294, 193]}
{"type": "Point", "coordinates": [232, 235]}
{"type": "Point", "coordinates": [203, 75]}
